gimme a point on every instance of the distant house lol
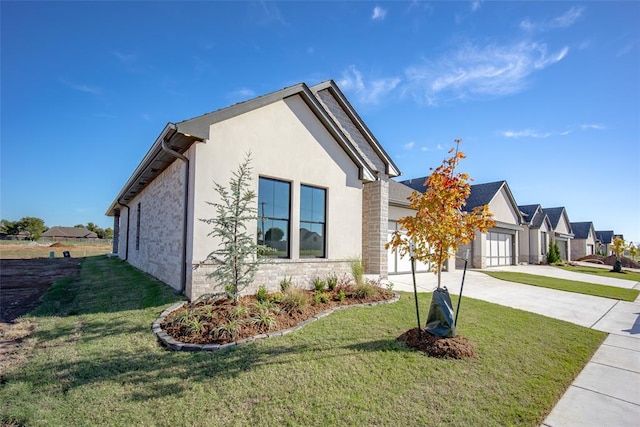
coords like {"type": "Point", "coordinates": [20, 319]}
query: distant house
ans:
{"type": "Point", "coordinates": [562, 232]}
{"type": "Point", "coordinates": [66, 233]}
{"type": "Point", "coordinates": [399, 207]}
{"type": "Point", "coordinates": [604, 240]}
{"type": "Point", "coordinates": [534, 237]}
{"type": "Point", "coordinates": [320, 176]}
{"type": "Point", "coordinates": [584, 241]}
{"type": "Point", "coordinates": [499, 245]}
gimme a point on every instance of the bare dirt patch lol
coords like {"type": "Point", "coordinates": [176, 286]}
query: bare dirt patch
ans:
{"type": "Point", "coordinates": [610, 260]}
{"type": "Point", "coordinates": [457, 347]}
{"type": "Point", "coordinates": [22, 283]}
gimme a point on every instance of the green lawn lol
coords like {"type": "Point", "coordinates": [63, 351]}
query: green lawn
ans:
{"type": "Point", "coordinates": [567, 285]}
{"type": "Point", "coordinates": [626, 275]}
{"type": "Point", "coordinates": [94, 361]}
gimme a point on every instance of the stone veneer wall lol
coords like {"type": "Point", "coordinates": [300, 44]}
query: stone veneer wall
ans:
{"type": "Point", "coordinates": [161, 207]}
{"type": "Point", "coordinates": [301, 271]}
{"type": "Point", "coordinates": [375, 222]}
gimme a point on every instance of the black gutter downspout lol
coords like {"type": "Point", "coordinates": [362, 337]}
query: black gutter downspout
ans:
{"type": "Point", "coordinates": [183, 268]}
{"type": "Point", "coordinates": [126, 251]}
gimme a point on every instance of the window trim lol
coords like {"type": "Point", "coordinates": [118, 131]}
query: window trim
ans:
{"type": "Point", "coordinates": [261, 218]}
{"type": "Point", "coordinates": [324, 222]}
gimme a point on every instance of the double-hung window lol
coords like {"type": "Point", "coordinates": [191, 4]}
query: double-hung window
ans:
{"type": "Point", "coordinates": [312, 222]}
{"type": "Point", "coordinates": [274, 207]}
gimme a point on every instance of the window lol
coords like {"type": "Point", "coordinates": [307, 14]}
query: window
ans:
{"type": "Point", "coordinates": [312, 222]}
{"type": "Point", "coordinates": [543, 243]}
{"type": "Point", "coordinates": [274, 198]}
{"type": "Point", "coordinates": [138, 229]}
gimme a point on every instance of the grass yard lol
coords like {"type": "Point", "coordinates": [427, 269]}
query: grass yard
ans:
{"type": "Point", "coordinates": [567, 285]}
{"type": "Point", "coordinates": [94, 361]}
{"type": "Point", "coordinates": [626, 275]}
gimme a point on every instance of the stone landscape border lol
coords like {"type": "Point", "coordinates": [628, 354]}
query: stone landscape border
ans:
{"type": "Point", "coordinates": [172, 344]}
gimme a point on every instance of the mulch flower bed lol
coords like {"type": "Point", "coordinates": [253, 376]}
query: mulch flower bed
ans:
{"type": "Point", "coordinates": [217, 320]}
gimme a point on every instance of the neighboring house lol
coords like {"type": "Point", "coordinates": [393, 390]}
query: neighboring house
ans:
{"type": "Point", "coordinates": [534, 237]}
{"type": "Point", "coordinates": [399, 207]}
{"type": "Point", "coordinates": [584, 240]}
{"type": "Point", "coordinates": [499, 245]}
{"type": "Point", "coordinates": [22, 235]}
{"type": "Point", "coordinates": [562, 232]}
{"type": "Point", "coordinates": [67, 233]}
{"type": "Point", "coordinates": [604, 240]}
{"type": "Point", "coordinates": [321, 179]}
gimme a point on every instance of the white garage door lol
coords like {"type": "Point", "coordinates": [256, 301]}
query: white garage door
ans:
{"type": "Point", "coordinates": [499, 249]}
{"type": "Point", "coordinates": [397, 264]}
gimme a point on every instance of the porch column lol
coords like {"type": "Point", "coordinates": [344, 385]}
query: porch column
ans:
{"type": "Point", "coordinates": [375, 224]}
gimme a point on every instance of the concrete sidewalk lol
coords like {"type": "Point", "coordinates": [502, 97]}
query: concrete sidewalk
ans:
{"type": "Point", "coordinates": [607, 391]}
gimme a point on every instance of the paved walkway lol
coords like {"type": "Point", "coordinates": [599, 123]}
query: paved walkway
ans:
{"type": "Point", "coordinates": [607, 391]}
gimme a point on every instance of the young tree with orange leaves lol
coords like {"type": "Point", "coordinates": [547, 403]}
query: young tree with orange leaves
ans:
{"type": "Point", "coordinates": [441, 224]}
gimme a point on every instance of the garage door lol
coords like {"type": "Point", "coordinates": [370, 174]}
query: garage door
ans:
{"type": "Point", "coordinates": [499, 249]}
{"type": "Point", "coordinates": [397, 264]}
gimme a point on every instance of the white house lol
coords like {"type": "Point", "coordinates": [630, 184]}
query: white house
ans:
{"type": "Point", "coordinates": [562, 232]}
{"type": "Point", "coordinates": [536, 234]}
{"type": "Point", "coordinates": [321, 178]}
{"type": "Point", "coordinates": [499, 245]}
{"type": "Point", "coordinates": [584, 241]}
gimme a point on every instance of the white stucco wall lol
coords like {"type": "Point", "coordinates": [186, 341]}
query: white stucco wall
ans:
{"type": "Point", "coordinates": [288, 143]}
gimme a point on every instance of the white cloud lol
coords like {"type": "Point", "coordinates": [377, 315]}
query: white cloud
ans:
{"type": "Point", "coordinates": [438, 148]}
{"type": "Point", "coordinates": [563, 21]}
{"type": "Point", "coordinates": [378, 13]}
{"type": "Point", "coordinates": [369, 91]}
{"type": "Point", "coordinates": [475, 5]}
{"type": "Point", "coordinates": [409, 145]}
{"type": "Point", "coordinates": [479, 70]}
{"type": "Point", "coordinates": [530, 133]}
{"type": "Point", "coordinates": [241, 94]}
{"type": "Point", "coordinates": [80, 87]}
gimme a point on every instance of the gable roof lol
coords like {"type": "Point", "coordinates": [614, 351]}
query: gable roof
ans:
{"type": "Point", "coordinates": [581, 229]}
{"type": "Point", "coordinates": [399, 193]}
{"type": "Point", "coordinates": [178, 137]}
{"type": "Point", "coordinates": [555, 214]}
{"type": "Point", "coordinates": [482, 194]}
{"type": "Point", "coordinates": [534, 215]}
{"type": "Point", "coordinates": [70, 232]}
{"type": "Point", "coordinates": [605, 236]}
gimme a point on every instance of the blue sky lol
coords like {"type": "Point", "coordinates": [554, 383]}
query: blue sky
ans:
{"type": "Point", "coordinates": [545, 95]}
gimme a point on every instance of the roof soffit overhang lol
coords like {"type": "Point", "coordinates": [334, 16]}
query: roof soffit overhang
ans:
{"type": "Point", "coordinates": [153, 164]}
{"type": "Point", "coordinates": [391, 169]}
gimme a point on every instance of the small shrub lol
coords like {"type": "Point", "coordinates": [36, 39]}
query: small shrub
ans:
{"type": "Point", "coordinates": [285, 284]}
{"type": "Point", "coordinates": [207, 311]}
{"type": "Point", "coordinates": [264, 320]}
{"type": "Point", "coordinates": [239, 312]}
{"type": "Point", "coordinates": [276, 297]}
{"type": "Point", "coordinates": [321, 297]}
{"type": "Point", "coordinates": [266, 306]}
{"type": "Point", "coordinates": [341, 295]}
{"type": "Point", "coordinates": [364, 290]}
{"type": "Point", "coordinates": [229, 331]}
{"type": "Point", "coordinates": [357, 269]}
{"type": "Point", "coordinates": [295, 299]}
{"type": "Point", "coordinates": [262, 294]}
{"type": "Point", "coordinates": [318, 284]}
{"type": "Point", "coordinates": [195, 326]}
{"type": "Point", "coordinates": [332, 282]}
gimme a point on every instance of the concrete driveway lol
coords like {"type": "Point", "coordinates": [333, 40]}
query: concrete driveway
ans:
{"type": "Point", "coordinates": [607, 391]}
